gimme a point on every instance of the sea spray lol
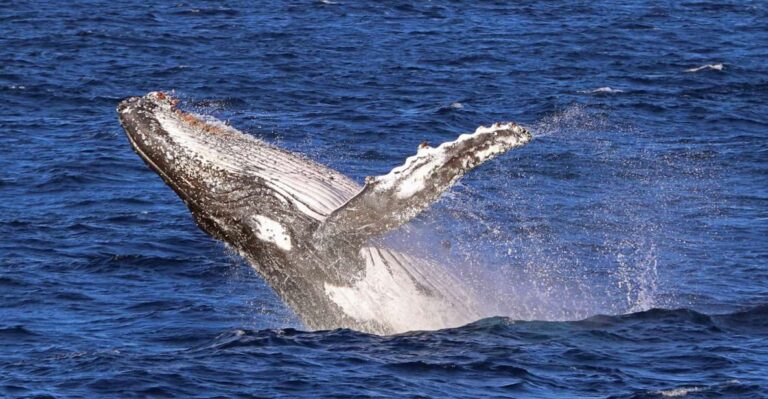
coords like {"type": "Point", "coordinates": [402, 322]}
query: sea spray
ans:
{"type": "Point", "coordinates": [530, 249]}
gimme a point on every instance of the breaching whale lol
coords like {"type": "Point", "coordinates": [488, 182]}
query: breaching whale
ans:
{"type": "Point", "coordinates": [311, 232]}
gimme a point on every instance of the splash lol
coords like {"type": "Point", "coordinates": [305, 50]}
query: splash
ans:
{"type": "Point", "coordinates": [574, 119]}
{"type": "Point", "coordinates": [637, 274]}
{"type": "Point", "coordinates": [574, 229]}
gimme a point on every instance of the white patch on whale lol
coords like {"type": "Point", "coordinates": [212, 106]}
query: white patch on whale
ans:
{"type": "Point", "coordinates": [272, 231]}
{"type": "Point", "coordinates": [388, 294]}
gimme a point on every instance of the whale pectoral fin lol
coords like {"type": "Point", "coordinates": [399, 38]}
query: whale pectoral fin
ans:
{"type": "Point", "coordinates": [389, 201]}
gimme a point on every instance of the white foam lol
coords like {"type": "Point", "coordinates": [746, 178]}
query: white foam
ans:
{"type": "Point", "coordinates": [715, 67]}
{"type": "Point", "coordinates": [605, 89]}
{"type": "Point", "coordinates": [679, 392]}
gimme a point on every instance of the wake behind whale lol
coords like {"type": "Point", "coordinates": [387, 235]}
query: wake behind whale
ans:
{"type": "Point", "coordinates": [312, 233]}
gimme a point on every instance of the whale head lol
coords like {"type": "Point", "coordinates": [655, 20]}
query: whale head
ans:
{"type": "Point", "coordinates": [237, 186]}
{"type": "Point", "coordinates": [178, 146]}
{"type": "Point", "coordinates": [208, 164]}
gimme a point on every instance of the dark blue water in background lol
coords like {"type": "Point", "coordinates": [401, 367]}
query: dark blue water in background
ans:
{"type": "Point", "coordinates": [644, 196]}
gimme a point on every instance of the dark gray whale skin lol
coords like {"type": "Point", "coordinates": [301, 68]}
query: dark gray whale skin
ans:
{"type": "Point", "coordinates": [308, 230]}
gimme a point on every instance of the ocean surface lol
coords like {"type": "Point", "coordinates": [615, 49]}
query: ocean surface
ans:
{"type": "Point", "coordinates": [622, 254]}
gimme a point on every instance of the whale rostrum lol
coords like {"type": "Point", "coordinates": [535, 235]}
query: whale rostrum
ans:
{"type": "Point", "coordinates": [312, 233]}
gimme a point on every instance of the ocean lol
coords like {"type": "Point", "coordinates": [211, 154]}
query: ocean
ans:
{"type": "Point", "coordinates": [621, 254]}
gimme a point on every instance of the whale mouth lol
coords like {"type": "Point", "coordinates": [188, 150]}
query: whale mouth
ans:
{"type": "Point", "coordinates": [138, 116]}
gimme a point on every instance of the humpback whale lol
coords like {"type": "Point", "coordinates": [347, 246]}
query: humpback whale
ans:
{"type": "Point", "coordinates": [312, 233]}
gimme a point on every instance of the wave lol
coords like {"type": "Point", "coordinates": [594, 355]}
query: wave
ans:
{"type": "Point", "coordinates": [678, 322]}
{"type": "Point", "coordinates": [604, 90]}
{"type": "Point", "coordinates": [16, 333]}
{"type": "Point", "coordinates": [708, 67]}
{"type": "Point", "coordinates": [627, 356]}
{"type": "Point", "coordinates": [751, 320]}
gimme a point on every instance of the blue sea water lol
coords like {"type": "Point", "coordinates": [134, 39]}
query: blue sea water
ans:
{"type": "Point", "coordinates": [621, 254]}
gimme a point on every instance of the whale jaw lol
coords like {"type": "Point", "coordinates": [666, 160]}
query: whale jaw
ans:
{"type": "Point", "coordinates": [311, 232]}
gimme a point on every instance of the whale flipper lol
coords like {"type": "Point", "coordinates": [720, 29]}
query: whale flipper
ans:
{"type": "Point", "coordinates": [389, 201]}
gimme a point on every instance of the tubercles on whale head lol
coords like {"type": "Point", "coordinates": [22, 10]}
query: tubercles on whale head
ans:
{"type": "Point", "coordinates": [163, 98]}
{"type": "Point", "coordinates": [178, 145]}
